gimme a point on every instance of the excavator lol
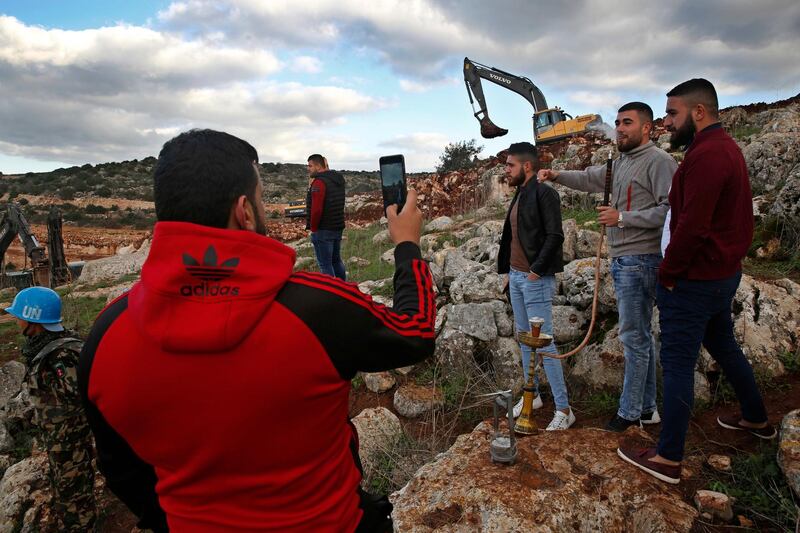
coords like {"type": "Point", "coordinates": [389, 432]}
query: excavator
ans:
{"type": "Point", "coordinates": [549, 124]}
{"type": "Point", "coordinates": [48, 272]}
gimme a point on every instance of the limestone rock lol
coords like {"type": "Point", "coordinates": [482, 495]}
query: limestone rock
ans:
{"type": "Point", "coordinates": [578, 285]}
{"type": "Point", "coordinates": [562, 481]}
{"type": "Point", "coordinates": [457, 265]}
{"type": "Point", "coordinates": [12, 375]}
{"type": "Point", "coordinates": [586, 242]}
{"type": "Point", "coordinates": [358, 261]}
{"type": "Point", "coordinates": [19, 409]}
{"type": "Point", "coordinates": [601, 366]}
{"type": "Point", "coordinates": [378, 381]}
{"type": "Point", "coordinates": [439, 224]}
{"type": "Point", "coordinates": [721, 463]}
{"type": "Point", "coordinates": [506, 358]}
{"type": "Point", "coordinates": [114, 267]}
{"type": "Point", "coordinates": [768, 323]}
{"type": "Point", "coordinates": [570, 228]}
{"type": "Point", "coordinates": [479, 286]}
{"type": "Point", "coordinates": [369, 286]}
{"type": "Point", "coordinates": [716, 504]}
{"type": "Point", "coordinates": [453, 349]}
{"type": "Point", "coordinates": [378, 431]}
{"type": "Point", "coordinates": [491, 228]}
{"type": "Point", "coordinates": [413, 401]}
{"type": "Point", "coordinates": [388, 256]}
{"type": "Point", "coordinates": [19, 481]}
{"type": "Point", "coordinates": [503, 318]}
{"type": "Point", "coordinates": [382, 237]}
{"type": "Point", "coordinates": [304, 262]}
{"type": "Point", "coordinates": [476, 320]}
{"type": "Point", "coordinates": [568, 323]}
{"type": "Point", "coordinates": [6, 440]}
{"type": "Point", "coordinates": [789, 449]}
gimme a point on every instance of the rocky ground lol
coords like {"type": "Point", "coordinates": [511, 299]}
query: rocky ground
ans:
{"type": "Point", "coordinates": [424, 429]}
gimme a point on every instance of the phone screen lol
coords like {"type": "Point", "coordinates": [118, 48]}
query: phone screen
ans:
{"type": "Point", "coordinates": [393, 181]}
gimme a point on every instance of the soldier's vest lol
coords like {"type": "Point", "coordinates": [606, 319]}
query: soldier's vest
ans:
{"type": "Point", "coordinates": [70, 343]}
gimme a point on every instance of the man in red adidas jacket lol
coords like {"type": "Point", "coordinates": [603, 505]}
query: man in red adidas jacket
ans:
{"type": "Point", "coordinates": [217, 387]}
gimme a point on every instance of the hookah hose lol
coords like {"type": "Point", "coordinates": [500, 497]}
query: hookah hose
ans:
{"type": "Point", "coordinates": [582, 345]}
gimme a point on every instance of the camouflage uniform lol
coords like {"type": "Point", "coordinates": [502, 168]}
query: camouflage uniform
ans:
{"type": "Point", "coordinates": [63, 430]}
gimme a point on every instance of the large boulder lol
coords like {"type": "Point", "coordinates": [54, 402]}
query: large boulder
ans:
{"type": "Point", "coordinates": [439, 224]}
{"type": "Point", "coordinates": [17, 491]}
{"type": "Point", "coordinates": [768, 324]}
{"type": "Point", "coordinates": [454, 348]}
{"type": "Point", "coordinates": [378, 432]}
{"type": "Point", "coordinates": [578, 285]}
{"type": "Point", "coordinates": [478, 286]}
{"type": "Point", "coordinates": [586, 242]}
{"type": "Point", "coordinates": [561, 481]}
{"type": "Point", "coordinates": [114, 267]}
{"type": "Point", "coordinates": [378, 381]}
{"type": "Point", "coordinates": [568, 323]}
{"type": "Point", "coordinates": [789, 449]}
{"type": "Point", "coordinates": [570, 228]}
{"type": "Point", "coordinates": [12, 375]}
{"type": "Point", "coordinates": [6, 440]}
{"type": "Point", "coordinates": [457, 265]}
{"type": "Point", "coordinates": [601, 365]}
{"type": "Point", "coordinates": [413, 401]}
{"type": "Point", "coordinates": [771, 158]}
{"type": "Point", "coordinates": [503, 317]}
{"type": "Point", "coordinates": [506, 358]}
{"type": "Point", "coordinates": [476, 320]}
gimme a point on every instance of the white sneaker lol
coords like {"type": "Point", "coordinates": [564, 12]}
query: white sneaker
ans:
{"type": "Point", "coordinates": [651, 418]}
{"type": "Point", "coordinates": [537, 404]}
{"type": "Point", "coordinates": [561, 421]}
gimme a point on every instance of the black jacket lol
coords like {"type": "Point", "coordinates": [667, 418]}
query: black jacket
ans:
{"type": "Point", "coordinates": [539, 227]}
{"type": "Point", "coordinates": [333, 207]}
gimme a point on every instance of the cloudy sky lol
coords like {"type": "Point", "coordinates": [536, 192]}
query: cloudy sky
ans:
{"type": "Point", "coordinates": [88, 81]}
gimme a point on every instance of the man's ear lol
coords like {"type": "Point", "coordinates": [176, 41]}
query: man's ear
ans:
{"type": "Point", "coordinates": [242, 215]}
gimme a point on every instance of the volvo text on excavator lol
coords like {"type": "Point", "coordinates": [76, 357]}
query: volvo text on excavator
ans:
{"type": "Point", "coordinates": [549, 124]}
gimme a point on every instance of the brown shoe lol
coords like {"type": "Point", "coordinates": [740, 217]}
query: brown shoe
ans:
{"type": "Point", "coordinates": [732, 422]}
{"type": "Point", "coordinates": [640, 458]}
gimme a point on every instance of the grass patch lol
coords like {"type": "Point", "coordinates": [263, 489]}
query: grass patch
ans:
{"type": "Point", "coordinates": [761, 492]}
{"type": "Point", "coordinates": [79, 312]}
{"type": "Point", "coordinates": [358, 243]}
{"type": "Point", "coordinates": [791, 361]}
{"type": "Point", "coordinates": [741, 133]}
{"type": "Point", "coordinates": [582, 216]}
{"type": "Point", "coordinates": [104, 284]}
{"type": "Point", "coordinates": [599, 403]}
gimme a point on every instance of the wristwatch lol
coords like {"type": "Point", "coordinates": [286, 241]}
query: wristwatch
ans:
{"type": "Point", "coordinates": [619, 221]}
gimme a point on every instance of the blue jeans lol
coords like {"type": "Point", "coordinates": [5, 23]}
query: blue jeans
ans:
{"type": "Point", "coordinates": [635, 285]}
{"type": "Point", "coordinates": [691, 314]}
{"type": "Point", "coordinates": [327, 248]}
{"type": "Point", "coordinates": [530, 299]}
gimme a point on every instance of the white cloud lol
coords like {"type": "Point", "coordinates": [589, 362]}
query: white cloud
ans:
{"type": "Point", "coordinates": [414, 86]}
{"type": "Point", "coordinates": [120, 92]}
{"type": "Point", "coordinates": [307, 64]}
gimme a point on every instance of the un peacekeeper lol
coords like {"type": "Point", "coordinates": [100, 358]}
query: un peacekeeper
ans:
{"type": "Point", "coordinates": [51, 357]}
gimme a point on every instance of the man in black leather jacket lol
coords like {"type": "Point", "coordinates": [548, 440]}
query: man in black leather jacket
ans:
{"type": "Point", "coordinates": [531, 255]}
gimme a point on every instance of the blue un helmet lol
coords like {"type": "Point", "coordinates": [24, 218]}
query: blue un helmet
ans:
{"type": "Point", "coordinates": [38, 305]}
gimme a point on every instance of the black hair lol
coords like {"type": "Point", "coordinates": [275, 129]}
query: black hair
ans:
{"type": "Point", "coordinates": [316, 159]}
{"type": "Point", "coordinates": [200, 174]}
{"type": "Point", "coordinates": [698, 91]}
{"type": "Point", "coordinates": [523, 148]}
{"type": "Point", "coordinates": [645, 111]}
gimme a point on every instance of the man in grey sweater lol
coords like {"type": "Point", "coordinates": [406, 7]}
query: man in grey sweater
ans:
{"type": "Point", "coordinates": [634, 220]}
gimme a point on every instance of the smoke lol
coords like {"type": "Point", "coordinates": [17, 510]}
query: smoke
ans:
{"type": "Point", "coordinates": [605, 129]}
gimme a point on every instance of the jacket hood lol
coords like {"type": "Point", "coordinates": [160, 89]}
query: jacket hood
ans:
{"type": "Point", "coordinates": [331, 175]}
{"type": "Point", "coordinates": [204, 289]}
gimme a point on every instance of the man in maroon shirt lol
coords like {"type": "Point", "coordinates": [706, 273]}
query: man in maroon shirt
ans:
{"type": "Point", "coordinates": [711, 231]}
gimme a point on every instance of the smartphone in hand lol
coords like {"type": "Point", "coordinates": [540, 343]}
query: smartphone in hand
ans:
{"type": "Point", "coordinates": [393, 181]}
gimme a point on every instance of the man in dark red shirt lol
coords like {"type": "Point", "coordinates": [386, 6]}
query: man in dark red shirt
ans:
{"type": "Point", "coordinates": [217, 387]}
{"type": "Point", "coordinates": [711, 231]}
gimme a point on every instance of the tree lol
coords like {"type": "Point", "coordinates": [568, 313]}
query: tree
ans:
{"type": "Point", "coordinates": [458, 156]}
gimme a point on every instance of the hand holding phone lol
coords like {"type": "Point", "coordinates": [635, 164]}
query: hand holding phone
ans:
{"type": "Point", "coordinates": [406, 224]}
{"type": "Point", "coordinates": [393, 181]}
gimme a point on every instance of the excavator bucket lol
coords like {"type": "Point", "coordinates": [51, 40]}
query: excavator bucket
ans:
{"type": "Point", "coordinates": [489, 130]}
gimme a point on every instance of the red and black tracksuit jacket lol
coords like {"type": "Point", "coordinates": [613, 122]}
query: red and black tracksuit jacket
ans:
{"type": "Point", "coordinates": [217, 387]}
